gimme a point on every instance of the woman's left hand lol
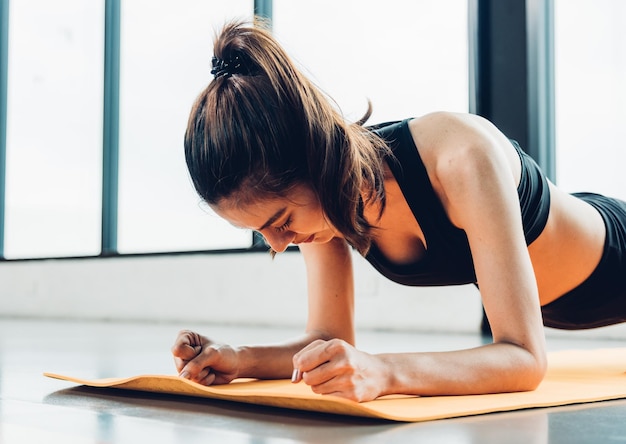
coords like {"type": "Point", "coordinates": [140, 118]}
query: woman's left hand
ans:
{"type": "Point", "coordinates": [335, 367]}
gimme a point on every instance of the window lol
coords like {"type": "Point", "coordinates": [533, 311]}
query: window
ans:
{"type": "Point", "coordinates": [408, 58]}
{"type": "Point", "coordinates": [54, 128]}
{"type": "Point", "coordinates": [590, 68]}
{"type": "Point", "coordinates": [166, 50]}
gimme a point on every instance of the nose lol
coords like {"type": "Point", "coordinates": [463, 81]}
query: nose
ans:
{"type": "Point", "coordinates": [279, 241]}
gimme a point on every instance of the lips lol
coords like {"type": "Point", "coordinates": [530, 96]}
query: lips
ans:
{"type": "Point", "coordinates": [308, 239]}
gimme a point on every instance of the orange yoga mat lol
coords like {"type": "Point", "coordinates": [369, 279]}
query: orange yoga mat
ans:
{"type": "Point", "coordinates": [573, 377]}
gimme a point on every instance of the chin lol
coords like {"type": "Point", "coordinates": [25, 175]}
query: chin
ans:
{"type": "Point", "coordinates": [322, 239]}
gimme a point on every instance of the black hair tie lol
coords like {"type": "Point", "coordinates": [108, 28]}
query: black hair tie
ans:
{"type": "Point", "coordinates": [228, 67]}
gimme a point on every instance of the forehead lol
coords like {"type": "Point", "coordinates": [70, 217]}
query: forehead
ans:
{"type": "Point", "coordinates": [255, 212]}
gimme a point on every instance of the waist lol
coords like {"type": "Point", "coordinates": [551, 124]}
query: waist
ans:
{"type": "Point", "coordinates": [569, 248]}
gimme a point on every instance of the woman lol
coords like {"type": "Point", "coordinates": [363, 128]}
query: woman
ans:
{"type": "Point", "coordinates": [438, 200]}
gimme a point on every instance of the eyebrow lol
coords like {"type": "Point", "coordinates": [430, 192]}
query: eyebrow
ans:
{"type": "Point", "coordinates": [273, 219]}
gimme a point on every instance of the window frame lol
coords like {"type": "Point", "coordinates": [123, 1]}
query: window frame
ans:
{"type": "Point", "coordinates": [508, 39]}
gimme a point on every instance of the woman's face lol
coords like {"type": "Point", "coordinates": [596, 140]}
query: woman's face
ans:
{"type": "Point", "coordinates": [294, 219]}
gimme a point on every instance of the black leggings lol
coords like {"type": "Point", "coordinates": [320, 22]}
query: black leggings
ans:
{"type": "Point", "coordinates": [601, 299]}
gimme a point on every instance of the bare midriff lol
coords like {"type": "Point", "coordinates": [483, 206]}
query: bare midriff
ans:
{"type": "Point", "coordinates": [569, 248]}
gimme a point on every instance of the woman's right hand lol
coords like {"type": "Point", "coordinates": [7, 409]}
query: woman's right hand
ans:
{"type": "Point", "coordinates": [203, 361]}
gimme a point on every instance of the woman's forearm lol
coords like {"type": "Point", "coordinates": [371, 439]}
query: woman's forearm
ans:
{"type": "Point", "coordinates": [271, 361]}
{"type": "Point", "coordinates": [493, 368]}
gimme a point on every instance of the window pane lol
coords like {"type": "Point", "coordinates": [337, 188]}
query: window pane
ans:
{"type": "Point", "coordinates": [166, 50]}
{"type": "Point", "coordinates": [408, 58]}
{"type": "Point", "coordinates": [590, 68]}
{"type": "Point", "coordinates": [54, 128]}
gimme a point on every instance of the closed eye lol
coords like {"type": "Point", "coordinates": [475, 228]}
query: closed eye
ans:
{"type": "Point", "coordinates": [284, 226]}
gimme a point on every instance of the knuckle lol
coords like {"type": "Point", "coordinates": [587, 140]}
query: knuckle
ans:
{"type": "Point", "coordinates": [208, 351]}
{"type": "Point", "coordinates": [335, 346]}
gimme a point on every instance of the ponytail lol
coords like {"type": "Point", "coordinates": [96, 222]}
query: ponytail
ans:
{"type": "Point", "coordinates": [260, 127]}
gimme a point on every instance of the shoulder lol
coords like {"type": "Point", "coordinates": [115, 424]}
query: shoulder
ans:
{"type": "Point", "coordinates": [443, 130]}
{"type": "Point", "coordinates": [463, 152]}
{"type": "Point", "coordinates": [451, 143]}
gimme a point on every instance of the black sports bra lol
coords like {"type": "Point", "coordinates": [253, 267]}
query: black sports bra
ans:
{"type": "Point", "coordinates": [448, 259]}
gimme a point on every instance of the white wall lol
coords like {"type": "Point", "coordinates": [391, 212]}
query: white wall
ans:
{"type": "Point", "coordinates": [225, 289]}
{"type": "Point", "coordinates": [228, 289]}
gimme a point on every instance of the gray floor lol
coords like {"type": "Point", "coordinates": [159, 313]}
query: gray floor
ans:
{"type": "Point", "coordinates": [41, 410]}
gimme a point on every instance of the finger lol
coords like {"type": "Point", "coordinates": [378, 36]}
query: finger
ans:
{"type": "Point", "coordinates": [193, 369]}
{"type": "Point", "coordinates": [310, 357]}
{"type": "Point", "coordinates": [186, 353]}
{"type": "Point", "coordinates": [187, 345]}
{"type": "Point", "coordinates": [320, 375]}
{"type": "Point", "coordinates": [202, 375]}
{"type": "Point", "coordinates": [315, 359]}
{"type": "Point", "coordinates": [332, 386]}
{"type": "Point", "coordinates": [205, 377]}
{"type": "Point", "coordinates": [302, 361]}
{"type": "Point", "coordinates": [179, 364]}
{"type": "Point", "coordinates": [209, 379]}
{"type": "Point", "coordinates": [352, 396]}
{"type": "Point", "coordinates": [185, 337]}
{"type": "Point", "coordinates": [342, 386]}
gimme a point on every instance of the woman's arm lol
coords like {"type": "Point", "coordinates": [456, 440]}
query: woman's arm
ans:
{"type": "Point", "coordinates": [474, 176]}
{"type": "Point", "coordinates": [474, 171]}
{"type": "Point", "coordinates": [330, 287]}
{"type": "Point", "coordinates": [331, 295]}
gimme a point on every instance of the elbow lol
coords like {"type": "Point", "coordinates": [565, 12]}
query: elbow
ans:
{"type": "Point", "coordinates": [532, 379]}
{"type": "Point", "coordinates": [521, 368]}
{"type": "Point", "coordinates": [541, 369]}
{"type": "Point", "coordinates": [533, 371]}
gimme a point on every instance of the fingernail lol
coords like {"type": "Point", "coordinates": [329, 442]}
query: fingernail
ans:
{"type": "Point", "coordinates": [184, 374]}
{"type": "Point", "coordinates": [295, 375]}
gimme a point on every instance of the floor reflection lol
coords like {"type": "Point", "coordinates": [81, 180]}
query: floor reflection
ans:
{"type": "Point", "coordinates": [35, 409]}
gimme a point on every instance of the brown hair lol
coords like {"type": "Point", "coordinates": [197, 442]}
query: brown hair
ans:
{"type": "Point", "coordinates": [260, 129]}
